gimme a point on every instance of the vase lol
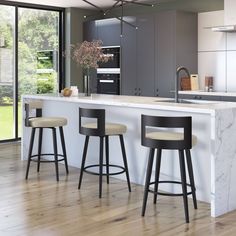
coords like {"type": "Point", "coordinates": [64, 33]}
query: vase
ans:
{"type": "Point", "coordinates": [87, 89]}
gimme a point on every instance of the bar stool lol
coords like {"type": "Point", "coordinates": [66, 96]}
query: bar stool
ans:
{"type": "Point", "coordinates": [102, 130]}
{"type": "Point", "coordinates": [166, 139]}
{"type": "Point", "coordinates": [40, 123]}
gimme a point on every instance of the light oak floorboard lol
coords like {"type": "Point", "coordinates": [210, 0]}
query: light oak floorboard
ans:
{"type": "Point", "coordinates": [41, 206]}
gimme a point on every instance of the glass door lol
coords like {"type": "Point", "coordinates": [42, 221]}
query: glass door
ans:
{"type": "Point", "coordinates": [38, 52]}
{"type": "Point", "coordinates": [7, 72]}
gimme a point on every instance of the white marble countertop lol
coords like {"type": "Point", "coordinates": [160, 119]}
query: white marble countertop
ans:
{"type": "Point", "coordinates": [201, 92]}
{"type": "Point", "coordinates": [198, 106]}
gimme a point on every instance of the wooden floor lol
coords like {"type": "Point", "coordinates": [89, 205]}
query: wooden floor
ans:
{"type": "Point", "coordinates": [41, 206]}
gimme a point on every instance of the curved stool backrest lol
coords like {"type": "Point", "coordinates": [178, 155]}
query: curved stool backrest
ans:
{"type": "Point", "coordinates": [98, 114]}
{"type": "Point", "coordinates": [167, 122]}
{"type": "Point", "coordinates": [34, 105]}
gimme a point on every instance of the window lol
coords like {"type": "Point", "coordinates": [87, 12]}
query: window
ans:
{"type": "Point", "coordinates": [30, 60]}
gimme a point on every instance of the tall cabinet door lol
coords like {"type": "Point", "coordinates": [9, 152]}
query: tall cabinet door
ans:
{"type": "Point", "coordinates": [165, 54]}
{"type": "Point", "coordinates": [145, 55]}
{"type": "Point", "coordinates": [128, 58]}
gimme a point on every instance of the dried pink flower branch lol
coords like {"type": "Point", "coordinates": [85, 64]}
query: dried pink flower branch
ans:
{"type": "Point", "coordinates": [89, 54]}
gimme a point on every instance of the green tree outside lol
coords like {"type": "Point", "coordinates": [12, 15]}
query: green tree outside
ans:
{"type": "Point", "coordinates": [37, 31]}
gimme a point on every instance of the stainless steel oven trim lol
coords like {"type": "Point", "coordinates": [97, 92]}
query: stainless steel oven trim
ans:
{"type": "Point", "coordinates": [106, 81]}
{"type": "Point", "coordinates": [108, 70]}
{"type": "Point", "coordinates": [110, 46]}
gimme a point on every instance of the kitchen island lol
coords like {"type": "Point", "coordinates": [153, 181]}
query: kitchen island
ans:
{"type": "Point", "coordinates": [214, 156]}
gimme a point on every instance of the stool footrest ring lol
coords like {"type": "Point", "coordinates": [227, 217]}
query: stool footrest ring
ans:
{"type": "Point", "coordinates": [47, 154]}
{"type": "Point", "coordinates": [110, 165]}
{"type": "Point", "coordinates": [169, 194]}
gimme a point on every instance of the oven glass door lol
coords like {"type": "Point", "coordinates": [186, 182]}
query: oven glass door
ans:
{"type": "Point", "coordinates": [108, 84]}
{"type": "Point", "coordinates": [115, 61]}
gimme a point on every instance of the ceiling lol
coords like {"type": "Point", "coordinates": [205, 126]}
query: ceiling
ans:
{"type": "Point", "coordinates": [185, 5]}
{"type": "Point", "coordinates": [80, 3]}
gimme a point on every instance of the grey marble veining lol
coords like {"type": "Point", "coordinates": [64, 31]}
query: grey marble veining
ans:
{"type": "Point", "coordinates": [224, 162]}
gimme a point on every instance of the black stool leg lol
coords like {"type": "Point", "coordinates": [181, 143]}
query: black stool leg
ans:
{"type": "Point", "coordinates": [191, 177]}
{"type": "Point", "coordinates": [64, 148]}
{"type": "Point", "coordinates": [107, 157]}
{"type": "Point", "coordinates": [157, 174]}
{"type": "Point", "coordinates": [83, 160]}
{"type": "Point", "coordinates": [100, 166]}
{"type": "Point", "coordinates": [54, 134]}
{"type": "Point", "coordinates": [125, 160]}
{"type": "Point", "coordinates": [39, 147]}
{"type": "Point", "coordinates": [30, 152]}
{"type": "Point", "coordinates": [148, 177]}
{"type": "Point", "coordinates": [184, 184]}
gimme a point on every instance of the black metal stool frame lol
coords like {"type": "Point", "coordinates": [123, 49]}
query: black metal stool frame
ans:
{"type": "Point", "coordinates": [39, 155]}
{"type": "Point", "coordinates": [180, 145]}
{"type": "Point", "coordinates": [99, 114]}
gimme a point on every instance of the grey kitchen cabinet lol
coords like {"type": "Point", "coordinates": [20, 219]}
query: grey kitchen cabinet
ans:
{"type": "Point", "coordinates": [228, 99]}
{"type": "Point", "coordinates": [90, 30]}
{"type": "Point", "coordinates": [109, 31]}
{"type": "Point", "coordinates": [138, 56]}
{"type": "Point", "coordinates": [211, 98]}
{"type": "Point", "coordinates": [90, 33]}
{"type": "Point", "coordinates": [201, 97]}
{"type": "Point", "coordinates": [151, 54]}
{"type": "Point", "coordinates": [176, 45]}
{"type": "Point", "coordinates": [128, 58]}
{"type": "Point", "coordinates": [145, 59]}
{"type": "Point", "coordinates": [164, 53]}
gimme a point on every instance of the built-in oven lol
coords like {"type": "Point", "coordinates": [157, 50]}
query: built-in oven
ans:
{"type": "Point", "coordinates": [108, 74]}
{"type": "Point", "coordinates": [114, 53]}
{"type": "Point", "coordinates": [108, 84]}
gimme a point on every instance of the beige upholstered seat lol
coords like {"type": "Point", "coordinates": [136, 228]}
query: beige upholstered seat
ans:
{"type": "Point", "coordinates": [110, 128]}
{"type": "Point", "coordinates": [175, 136]}
{"type": "Point", "coordinates": [47, 122]}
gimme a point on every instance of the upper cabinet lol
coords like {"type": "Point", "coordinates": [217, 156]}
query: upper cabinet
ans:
{"type": "Point", "coordinates": [109, 31]}
{"type": "Point", "coordinates": [90, 30]}
{"type": "Point", "coordinates": [151, 53]}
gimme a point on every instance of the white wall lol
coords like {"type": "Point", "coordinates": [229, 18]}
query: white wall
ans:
{"type": "Point", "coordinates": [216, 52]}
